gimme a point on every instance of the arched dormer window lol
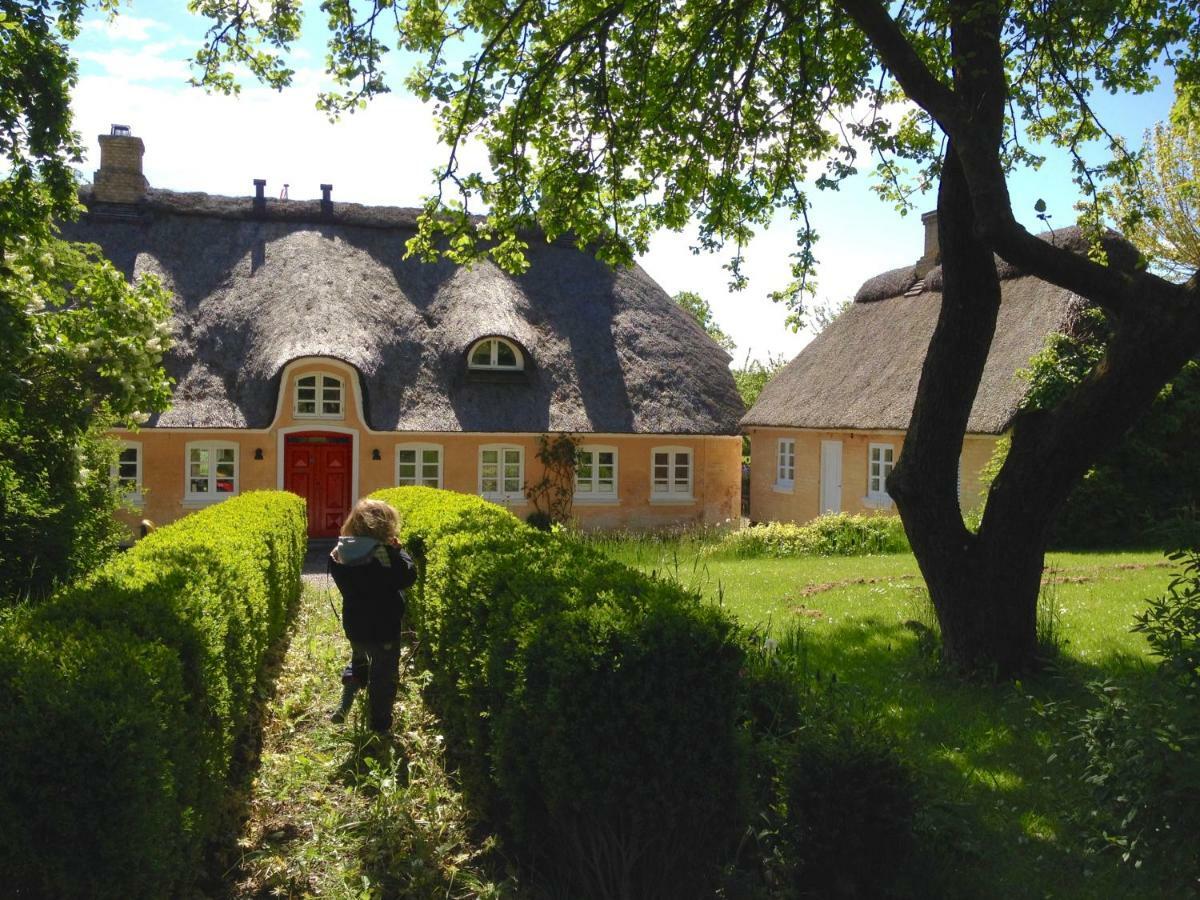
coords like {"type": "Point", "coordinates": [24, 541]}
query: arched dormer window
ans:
{"type": "Point", "coordinates": [319, 396]}
{"type": "Point", "coordinates": [495, 354]}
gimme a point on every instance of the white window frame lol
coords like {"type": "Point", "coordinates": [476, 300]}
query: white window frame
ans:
{"type": "Point", "coordinates": [133, 495]}
{"type": "Point", "coordinates": [420, 449]}
{"type": "Point", "coordinates": [785, 464]}
{"type": "Point", "coordinates": [879, 496]}
{"type": "Point", "coordinates": [494, 365]}
{"type": "Point", "coordinates": [501, 495]}
{"type": "Point", "coordinates": [590, 492]}
{"type": "Point", "coordinates": [322, 378]}
{"type": "Point", "coordinates": [670, 495]}
{"type": "Point", "coordinates": [208, 497]}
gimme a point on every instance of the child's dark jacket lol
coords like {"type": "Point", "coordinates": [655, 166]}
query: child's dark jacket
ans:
{"type": "Point", "coordinates": [372, 589]}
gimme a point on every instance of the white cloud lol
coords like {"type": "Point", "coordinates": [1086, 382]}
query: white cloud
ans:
{"type": "Point", "coordinates": [149, 63]}
{"type": "Point", "coordinates": [206, 142]}
{"type": "Point", "coordinates": [124, 27]}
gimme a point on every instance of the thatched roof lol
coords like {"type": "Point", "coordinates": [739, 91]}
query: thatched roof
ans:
{"type": "Point", "coordinates": [611, 352]}
{"type": "Point", "coordinates": [861, 372]}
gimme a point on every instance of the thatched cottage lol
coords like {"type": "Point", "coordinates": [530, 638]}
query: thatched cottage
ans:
{"type": "Point", "coordinates": [310, 355]}
{"type": "Point", "coordinates": [828, 428]}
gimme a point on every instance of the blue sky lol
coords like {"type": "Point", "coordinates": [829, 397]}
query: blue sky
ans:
{"type": "Point", "coordinates": [133, 70]}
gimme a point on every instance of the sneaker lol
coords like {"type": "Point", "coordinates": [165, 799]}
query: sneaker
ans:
{"type": "Point", "coordinates": [338, 716]}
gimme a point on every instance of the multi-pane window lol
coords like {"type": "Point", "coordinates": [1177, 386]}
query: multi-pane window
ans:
{"type": "Point", "coordinates": [212, 470]}
{"type": "Point", "coordinates": [501, 473]}
{"type": "Point", "coordinates": [127, 471]}
{"type": "Point", "coordinates": [319, 395]}
{"type": "Point", "coordinates": [495, 353]}
{"type": "Point", "coordinates": [596, 473]}
{"type": "Point", "coordinates": [671, 473]}
{"type": "Point", "coordinates": [419, 464]}
{"type": "Point", "coordinates": [879, 465]}
{"type": "Point", "coordinates": [785, 469]}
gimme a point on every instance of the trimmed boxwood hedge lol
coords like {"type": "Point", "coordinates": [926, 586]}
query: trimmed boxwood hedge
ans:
{"type": "Point", "coordinates": [593, 710]}
{"type": "Point", "coordinates": [122, 698]}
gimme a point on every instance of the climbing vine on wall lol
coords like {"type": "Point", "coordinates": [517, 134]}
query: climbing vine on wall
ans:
{"type": "Point", "coordinates": [554, 494]}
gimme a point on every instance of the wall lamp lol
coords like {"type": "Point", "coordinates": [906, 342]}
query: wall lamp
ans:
{"type": "Point", "coordinates": [375, 454]}
{"type": "Point", "coordinates": [258, 453]}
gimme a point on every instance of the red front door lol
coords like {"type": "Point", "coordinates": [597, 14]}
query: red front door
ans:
{"type": "Point", "coordinates": [316, 465]}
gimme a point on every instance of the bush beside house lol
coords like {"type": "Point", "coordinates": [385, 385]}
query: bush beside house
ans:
{"type": "Point", "coordinates": [603, 720]}
{"type": "Point", "coordinates": [123, 696]}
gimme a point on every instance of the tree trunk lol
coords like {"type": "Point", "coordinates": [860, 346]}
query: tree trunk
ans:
{"type": "Point", "coordinates": [984, 589]}
{"type": "Point", "coordinates": [985, 586]}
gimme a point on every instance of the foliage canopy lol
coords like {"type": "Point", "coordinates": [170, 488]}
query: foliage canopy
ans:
{"type": "Point", "coordinates": [609, 120]}
{"type": "Point", "coordinates": [80, 349]}
{"type": "Point", "coordinates": [1161, 212]}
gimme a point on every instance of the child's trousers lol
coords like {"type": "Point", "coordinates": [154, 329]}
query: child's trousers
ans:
{"type": "Point", "coordinates": [377, 667]}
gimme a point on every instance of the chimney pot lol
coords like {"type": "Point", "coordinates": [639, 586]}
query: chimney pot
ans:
{"type": "Point", "coordinates": [119, 178]}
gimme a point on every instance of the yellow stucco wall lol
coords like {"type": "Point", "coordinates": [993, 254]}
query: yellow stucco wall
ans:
{"type": "Point", "coordinates": [771, 502]}
{"type": "Point", "coordinates": [716, 461]}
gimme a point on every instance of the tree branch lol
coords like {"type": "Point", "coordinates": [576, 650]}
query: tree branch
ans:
{"type": "Point", "coordinates": [898, 55]}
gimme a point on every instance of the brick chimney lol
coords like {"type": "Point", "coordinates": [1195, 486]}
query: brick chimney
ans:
{"type": "Point", "coordinates": [932, 255]}
{"type": "Point", "coordinates": [119, 178]}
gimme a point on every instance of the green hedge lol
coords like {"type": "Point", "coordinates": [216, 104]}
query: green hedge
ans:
{"type": "Point", "coordinates": [594, 711]}
{"type": "Point", "coordinates": [830, 535]}
{"type": "Point", "coordinates": [122, 698]}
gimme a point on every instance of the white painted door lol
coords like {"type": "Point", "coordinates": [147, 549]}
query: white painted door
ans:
{"type": "Point", "coordinates": [831, 477]}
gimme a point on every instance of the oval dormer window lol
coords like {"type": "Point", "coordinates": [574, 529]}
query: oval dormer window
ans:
{"type": "Point", "coordinates": [319, 396]}
{"type": "Point", "coordinates": [496, 354]}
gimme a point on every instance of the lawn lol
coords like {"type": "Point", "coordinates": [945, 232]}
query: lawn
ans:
{"type": "Point", "coordinates": [1004, 797]}
{"type": "Point", "coordinates": [1001, 793]}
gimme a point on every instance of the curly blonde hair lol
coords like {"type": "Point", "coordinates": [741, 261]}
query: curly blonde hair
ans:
{"type": "Point", "coordinates": [372, 518]}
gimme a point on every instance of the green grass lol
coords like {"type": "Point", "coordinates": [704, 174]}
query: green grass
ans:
{"type": "Point", "coordinates": [333, 815]}
{"type": "Point", "coordinates": [1005, 807]}
{"type": "Point", "coordinates": [1002, 797]}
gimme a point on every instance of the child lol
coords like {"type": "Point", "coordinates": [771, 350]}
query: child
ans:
{"type": "Point", "coordinates": [371, 572]}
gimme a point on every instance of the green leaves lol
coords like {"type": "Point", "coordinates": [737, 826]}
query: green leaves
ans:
{"type": "Point", "coordinates": [82, 345]}
{"type": "Point", "coordinates": [245, 33]}
{"type": "Point", "coordinates": [80, 351]}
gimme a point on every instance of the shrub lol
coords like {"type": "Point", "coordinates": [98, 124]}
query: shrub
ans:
{"type": "Point", "coordinates": [1171, 623]}
{"type": "Point", "coordinates": [1142, 749]}
{"type": "Point", "coordinates": [1141, 755]}
{"type": "Point", "coordinates": [122, 698]}
{"type": "Point", "coordinates": [831, 535]}
{"type": "Point", "coordinates": [837, 802]}
{"type": "Point", "coordinates": [593, 710]}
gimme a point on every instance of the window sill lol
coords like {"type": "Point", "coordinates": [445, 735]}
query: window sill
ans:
{"type": "Point", "coordinates": [501, 500]}
{"type": "Point", "coordinates": [596, 501]}
{"type": "Point", "coordinates": [882, 501]}
{"type": "Point", "coordinates": [672, 501]}
{"type": "Point", "coordinates": [318, 417]}
{"type": "Point", "coordinates": [201, 502]}
{"type": "Point", "coordinates": [784, 487]}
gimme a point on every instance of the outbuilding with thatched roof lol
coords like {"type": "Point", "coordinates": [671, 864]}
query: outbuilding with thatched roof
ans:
{"type": "Point", "coordinates": [311, 355]}
{"type": "Point", "coordinates": [830, 425]}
